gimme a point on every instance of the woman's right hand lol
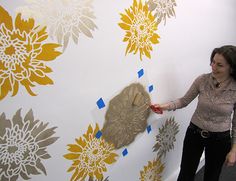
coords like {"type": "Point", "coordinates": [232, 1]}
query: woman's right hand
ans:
{"type": "Point", "coordinates": [156, 108]}
{"type": "Point", "coordinates": [231, 158]}
{"type": "Point", "coordinates": [163, 107]}
{"type": "Point", "coordinates": [159, 108]}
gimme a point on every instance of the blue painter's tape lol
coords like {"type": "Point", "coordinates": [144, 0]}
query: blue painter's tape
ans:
{"type": "Point", "coordinates": [100, 103]}
{"type": "Point", "coordinates": [140, 73]}
{"type": "Point", "coordinates": [149, 128]}
{"type": "Point", "coordinates": [98, 134]}
{"type": "Point", "coordinates": [150, 88]}
{"type": "Point", "coordinates": [125, 152]}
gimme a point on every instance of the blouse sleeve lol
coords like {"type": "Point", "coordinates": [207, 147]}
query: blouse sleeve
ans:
{"type": "Point", "coordinates": [190, 95]}
{"type": "Point", "coordinates": [234, 126]}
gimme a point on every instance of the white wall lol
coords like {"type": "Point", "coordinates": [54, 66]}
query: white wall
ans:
{"type": "Point", "coordinates": [98, 68]}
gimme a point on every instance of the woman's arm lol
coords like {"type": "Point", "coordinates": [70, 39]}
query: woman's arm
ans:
{"type": "Point", "coordinates": [231, 156]}
{"type": "Point", "coordinates": [190, 95]}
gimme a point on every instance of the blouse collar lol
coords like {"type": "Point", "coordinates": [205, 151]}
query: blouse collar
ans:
{"type": "Point", "coordinates": [228, 85]}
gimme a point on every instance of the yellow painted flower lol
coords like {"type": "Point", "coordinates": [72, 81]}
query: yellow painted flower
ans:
{"type": "Point", "coordinates": [90, 156]}
{"type": "Point", "coordinates": [23, 54]}
{"type": "Point", "coordinates": [140, 27]}
{"type": "Point", "coordinates": [152, 172]}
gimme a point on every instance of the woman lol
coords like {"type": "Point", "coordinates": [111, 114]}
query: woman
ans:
{"type": "Point", "coordinates": [212, 120]}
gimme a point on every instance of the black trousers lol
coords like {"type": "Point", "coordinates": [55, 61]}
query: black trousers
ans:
{"type": "Point", "coordinates": [216, 148]}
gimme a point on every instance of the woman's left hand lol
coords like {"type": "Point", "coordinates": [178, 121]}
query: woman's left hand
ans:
{"type": "Point", "coordinates": [230, 158]}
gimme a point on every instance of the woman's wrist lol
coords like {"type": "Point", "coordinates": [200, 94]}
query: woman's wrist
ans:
{"type": "Point", "coordinates": [165, 107]}
{"type": "Point", "coordinates": [169, 106]}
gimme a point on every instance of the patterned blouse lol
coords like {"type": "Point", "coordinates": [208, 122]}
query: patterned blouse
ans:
{"type": "Point", "coordinates": [216, 108]}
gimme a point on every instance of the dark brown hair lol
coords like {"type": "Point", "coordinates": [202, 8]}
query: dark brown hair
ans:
{"type": "Point", "coordinates": [229, 53]}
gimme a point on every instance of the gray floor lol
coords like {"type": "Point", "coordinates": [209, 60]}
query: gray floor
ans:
{"type": "Point", "coordinates": [228, 174]}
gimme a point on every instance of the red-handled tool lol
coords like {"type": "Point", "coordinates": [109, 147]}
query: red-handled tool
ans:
{"type": "Point", "coordinates": [155, 109]}
{"type": "Point", "coordinates": [138, 101]}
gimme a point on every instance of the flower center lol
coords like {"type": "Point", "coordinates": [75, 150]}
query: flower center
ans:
{"type": "Point", "coordinates": [95, 151]}
{"type": "Point", "coordinates": [10, 50]}
{"type": "Point", "coordinates": [141, 27]}
{"type": "Point", "coordinates": [12, 149]}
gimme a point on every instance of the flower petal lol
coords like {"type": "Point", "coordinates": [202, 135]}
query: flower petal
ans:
{"type": "Point", "coordinates": [17, 119]}
{"type": "Point", "coordinates": [71, 169]}
{"type": "Point", "coordinates": [5, 88]}
{"type": "Point", "coordinates": [5, 18]}
{"type": "Point", "coordinates": [38, 129]}
{"type": "Point", "coordinates": [74, 148]}
{"type": "Point", "coordinates": [85, 30]}
{"type": "Point", "coordinates": [24, 176]}
{"type": "Point", "coordinates": [24, 25]}
{"type": "Point", "coordinates": [154, 38]}
{"type": "Point", "coordinates": [15, 88]}
{"type": "Point", "coordinates": [71, 156]}
{"type": "Point", "coordinates": [81, 142]}
{"type": "Point", "coordinates": [126, 19]}
{"type": "Point", "coordinates": [111, 159]}
{"type": "Point", "coordinates": [66, 40]}
{"type": "Point", "coordinates": [47, 142]}
{"type": "Point", "coordinates": [48, 52]}
{"type": "Point", "coordinates": [40, 166]}
{"type": "Point", "coordinates": [40, 80]}
{"type": "Point", "coordinates": [4, 124]}
{"type": "Point", "coordinates": [26, 83]}
{"type": "Point", "coordinates": [88, 22]}
{"type": "Point", "coordinates": [46, 156]}
{"type": "Point", "coordinates": [124, 26]}
{"type": "Point", "coordinates": [75, 174]}
{"type": "Point", "coordinates": [41, 34]}
{"type": "Point", "coordinates": [31, 170]}
{"type": "Point", "coordinates": [41, 152]}
{"type": "Point", "coordinates": [29, 116]}
{"type": "Point", "coordinates": [45, 134]}
{"type": "Point", "coordinates": [147, 53]}
{"type": "Point", "coordinates": [98, 175]}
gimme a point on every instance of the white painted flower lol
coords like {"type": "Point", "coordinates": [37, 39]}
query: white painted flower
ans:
{"type": "Point", "coordinates": [162, 9]}
{"type": "Point", "coordinates": [65, 19]}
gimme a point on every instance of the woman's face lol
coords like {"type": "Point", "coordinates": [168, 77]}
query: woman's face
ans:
{"type": "Point", "coordinates": [220, 67]}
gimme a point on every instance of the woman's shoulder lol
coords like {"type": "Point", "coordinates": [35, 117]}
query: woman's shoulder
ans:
{"type": "Point", "coordinates": [203, 77]}
{"type": "Point", "coordinates": [233, 84]}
